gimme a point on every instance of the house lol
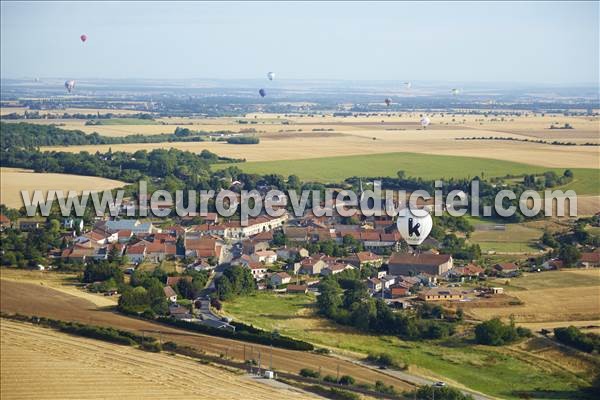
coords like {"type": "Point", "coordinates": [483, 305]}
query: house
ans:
{"type": "Point", "coordinates": [552, 264]}
{"type": "Point", "coordinates": [399, 291]}
{"type": "Point", "coordinates": [135, 226]}
{"type": "Point", "coordinates": [137, 252]}
{"type": "Point", "coordinates": [157, 252]}
{"type": "Point", "coordinates": [374, 284]}
{"type": "Point", "coordinates": [311, 266]}
{"type": "Point", "coordinates": [280, 278]}
{"type": "Point", "coordinates": [258, 269]}
{"type": "Point", "coordinates": [507, 269]}
{"type": "Point", "coordinates": [170, 294]}
{"type": "Point", "coordinates": [335, 268]}
{"type": "Point", "coordinates": [363, 258]}
{"type": "Point", "coordinates": [288, 253]}
{"type": "Point", "coordinates": [4, 222]}
{"type": "Point", "coordinates": [79, 252]}
{"type": "Point", "coordinates": [174, 280]}
{"type": "Point", "coordinates": [72, 223]}
{"type": "Point", "coordinates": [297, 289]}
{"type": "Point", "coordinates": [468, 271]}
{"type": "Point", "coordinates": [252, 246]}
{"type": "Point", "coordinates": [440, 294]}
{"type": "Point", "coordinates": [404, 263]}
{"type": "Point", "coordinates": [204, 247]}
{"type": "Point", "coordinates": [29, 224]}
{"type": "Point", "coordinates": [180, 312]}
{"type": "Point", "coordinates": [590, 259]}
{"type": "Point", "coordinates": [265, 256]}
{"type": "Point", "coordinates": [297, 233]}
{"type": "Point", "coordinates": [388, 281]}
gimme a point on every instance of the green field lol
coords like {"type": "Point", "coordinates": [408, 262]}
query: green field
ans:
{"type": "Point", "coordinates": [336, 169]}
{"type": "Point", "coordinates": [494, 371]}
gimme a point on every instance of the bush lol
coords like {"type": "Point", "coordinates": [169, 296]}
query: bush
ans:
{"type": "Point", "coordinates": [309, 373]}
{"type": "Point", "coordinates": [573, 337]}
{"type": "Point", "coordinates": [347, 380]}
{"type": "Point", "coordinates": [441, 393]}
{"type": "Point", "coordinates": [153, 347]}
{"type": "Point", "coordinates": [330, 379]}
{"type": "Point", "coordinates": [496, 333]}
{"type": "Point", "coordinates": [169, 346]}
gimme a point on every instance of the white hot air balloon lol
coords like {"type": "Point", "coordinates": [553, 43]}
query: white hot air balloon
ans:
{"type": "Point", "coordinates": [455, 92]}
{"type": "Point", "coordinates": [408, 85]}
{"type": "Point", "coordinates": [425, 121]}
{"type": "Point", "coordinates": [69, 85]}
{"type": "Point", "coordinates": [271, 75]}
{"type": "Point", "coordinates": [414, 225]}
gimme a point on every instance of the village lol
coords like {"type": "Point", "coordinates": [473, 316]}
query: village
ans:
{"type": "Point", "coordinates": [283, 255]}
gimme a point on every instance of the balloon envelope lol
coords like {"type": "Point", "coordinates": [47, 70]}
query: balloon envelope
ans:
{"type": "Point", "coordinates": [425, 121]}
{"type": "Point", "coordinates": [83, 37]}
{"type": "Point", "coordinates": [388, 101]}
{"type": "Point", "coordinates": [271, 75]}
{"type": "Point", "coordinates": [69, 85]}
{"type": "Point", "coordinates": [455, 91]}
{"type": "Point", "coordinates": [408, 85]}
{"type": "Point", "coordinates": [414, 225]}
{"type": "Point", "coordinates": [262, 92]}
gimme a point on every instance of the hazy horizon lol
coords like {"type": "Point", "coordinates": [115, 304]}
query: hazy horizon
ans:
{"type": "Point", "coordinates": [548, 43]}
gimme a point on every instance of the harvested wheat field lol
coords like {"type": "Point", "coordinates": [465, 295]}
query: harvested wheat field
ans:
{"type": "Point", "coordinates": [554, 297]}
{"type": "Point", "coordinates": [13, 180]}
{"type": "Point", "coordinates": [45, 364]}
{"type": "Point", "coordinates": [41, 300]}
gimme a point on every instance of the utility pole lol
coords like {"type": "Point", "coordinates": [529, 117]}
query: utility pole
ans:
{"type": "Point", "coordinates": [259, 362]}
{"type": "Point", "coordinates": [244, 353]}
{"type": "Point", "coordinates": [271, 361]}
{"type": "Point", "coordinates": [338, 372]}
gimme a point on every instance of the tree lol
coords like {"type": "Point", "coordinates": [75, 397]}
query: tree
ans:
{"type": "Point", "coordinates": [569, 254]}
{"type": "Point", "coordinates": [347, 380]}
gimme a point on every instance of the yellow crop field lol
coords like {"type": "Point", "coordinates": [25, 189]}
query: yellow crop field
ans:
{"type": "Point", "coordinates": [554, 297]}
{"type": "Point", "coordinates": [44, 364]}
{"type": "Point", "coordinates": [13, 180]}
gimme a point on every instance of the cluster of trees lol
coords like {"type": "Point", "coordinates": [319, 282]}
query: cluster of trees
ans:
{"type": "Point", "coordinates": [346, 300]}
{"type": "Point", "coordinates": [572, 336]}
{"type": "Point", "coordinates": [28, 249]}
{"type": "Point", "coordinates": [565, 244]}
{"type": "Point", "coordinates": [31, 136]}
{"type": "Point", "coordinates": [549, 179]}
{"type": "Point", "coordinates": [235, 281]}
{"type": "Point", "coordinates": [243, 140]}
{"type": "Point", "coordinates": [496, 333]}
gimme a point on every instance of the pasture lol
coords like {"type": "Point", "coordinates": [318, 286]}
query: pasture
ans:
{"type": "Point", "coordinates": [493, 371]}
{"type": "Point", "coordinates": [13, 180]}
{"type": "Point", "coordinates": [45, 364]}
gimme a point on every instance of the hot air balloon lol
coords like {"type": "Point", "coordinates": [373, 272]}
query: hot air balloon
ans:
{"type": "Point", "coordinates": [262, 92]}
{"type": "Point", "coordinates": [69, 85]}
{"type": "Point", "coordinates": [408, 85]}
{"type": "Point", "coordinates": [271, 75]}
{"type": "Point", "coordinates": [414, 225]}
{"type": "Point", "coordinates": [83, 37]}
{"type": "Point", "coordinates": [425, 121]}
{"type": "Point", "coordinates": [388, 101]}
{"type": "Point", "coordinates": [455, 91]}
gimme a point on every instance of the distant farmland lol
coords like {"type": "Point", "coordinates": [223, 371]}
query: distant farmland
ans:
{"type": "Point", "coordinates": [426, 166]}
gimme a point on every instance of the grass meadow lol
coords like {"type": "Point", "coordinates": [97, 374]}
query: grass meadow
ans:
{"type": "Point", "coordinates": [494, 371]}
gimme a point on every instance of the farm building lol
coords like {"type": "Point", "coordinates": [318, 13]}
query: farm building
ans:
{"type": "Point", "coordinates": [404, 263]}
{"type": "Point", "coordinates": [440, 294]}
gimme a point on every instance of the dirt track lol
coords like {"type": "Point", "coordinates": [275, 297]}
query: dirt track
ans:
{"type": "Point", "coordinates": [30, 299]}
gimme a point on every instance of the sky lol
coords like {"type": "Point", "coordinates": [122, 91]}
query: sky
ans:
{"type": "Point", "coordinates": [528, 42]}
